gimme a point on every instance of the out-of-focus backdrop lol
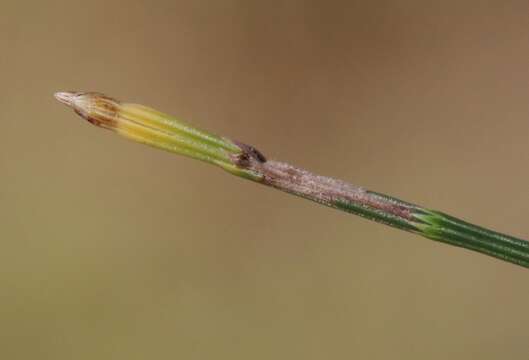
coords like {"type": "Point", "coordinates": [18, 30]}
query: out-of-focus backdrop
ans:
{"type": "Point", "coordinates": [113, 250]}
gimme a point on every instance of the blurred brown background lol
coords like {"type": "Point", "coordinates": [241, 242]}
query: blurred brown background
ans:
{"type": "Point", "coordinates": [113, 250]}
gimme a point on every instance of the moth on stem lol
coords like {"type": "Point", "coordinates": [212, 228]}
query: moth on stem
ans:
{"type": "Point", "coordinates": [151, 127]}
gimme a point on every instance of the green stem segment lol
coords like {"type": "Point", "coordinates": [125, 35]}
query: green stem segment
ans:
{"type": "Point", "coordinates": [445, 228]}
{"type": "Point", "coordinates": [148, 126]}
{"type": "Point", "coordinates": [441, 227]}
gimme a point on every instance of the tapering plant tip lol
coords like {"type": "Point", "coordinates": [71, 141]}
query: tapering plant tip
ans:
{"type": "Point", "coordinates": [97, 108]}
{"type": "Point", "coordinates": [151, 127]}
{"type": "Point", "coordinates": [65, 97]}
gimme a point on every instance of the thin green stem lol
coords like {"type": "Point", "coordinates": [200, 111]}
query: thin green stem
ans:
{"type": "Point", "coordinates": [151, 127]}
{"type": "Point", "coordinates": [445, 228]}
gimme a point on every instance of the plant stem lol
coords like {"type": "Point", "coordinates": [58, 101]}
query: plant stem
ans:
{"type": "Point", "coordinates": [162, 131]}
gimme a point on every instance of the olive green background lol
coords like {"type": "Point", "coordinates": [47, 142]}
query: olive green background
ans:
{"type": "Point", "coordinates": [113, 250]}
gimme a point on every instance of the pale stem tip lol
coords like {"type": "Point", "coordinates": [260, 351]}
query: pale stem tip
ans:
{"type": "Point", "coordinates": [65, 97]}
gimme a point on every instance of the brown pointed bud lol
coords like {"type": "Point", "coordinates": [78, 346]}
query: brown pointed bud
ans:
{"type": "Point", "coordinates": [98, 109]}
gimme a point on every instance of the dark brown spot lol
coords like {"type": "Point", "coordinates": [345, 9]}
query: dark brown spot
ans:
{"type": "Point", "coordinates": [249, 152]}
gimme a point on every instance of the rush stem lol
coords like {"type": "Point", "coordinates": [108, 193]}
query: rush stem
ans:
{"type": "Point", "coordinates": [151, 127]}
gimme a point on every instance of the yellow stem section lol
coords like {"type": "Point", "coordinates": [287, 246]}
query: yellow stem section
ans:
{"type": "Point", "coordinates": [147, 126]}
